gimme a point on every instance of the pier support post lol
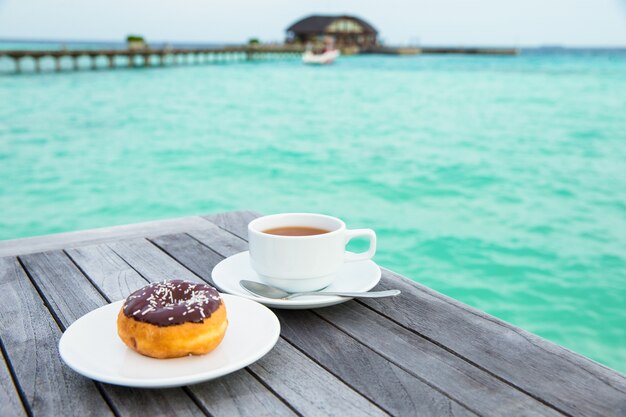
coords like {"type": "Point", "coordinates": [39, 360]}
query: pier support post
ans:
{"type": "Point", "coordinates": [111, 59]}
{"type": "Point", "coordinates": [57, 63]}
{"type": "Point", "coordinates": [146, 60]}
{"type": "Point", "coordinates": [18, 66]}
{"type": "Point", "coordinates": [94, 62]}
{"type": "Point", "coordinates": [37, 64]}
{"type": "Point", "coordinates": [162, 59]}
{"type": "Point", "coordinates": [131, 61]}
{"type": "Point", "coordinates": [75, 63]}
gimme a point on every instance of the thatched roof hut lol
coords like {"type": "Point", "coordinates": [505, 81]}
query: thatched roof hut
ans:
{"type": "Point", "coordinates": [346, 30]}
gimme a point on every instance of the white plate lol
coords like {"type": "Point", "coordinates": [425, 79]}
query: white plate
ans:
{"type": "Point", "coordinates": [91, 347]}
{"type": "Point", "coordinates": [353, 276]}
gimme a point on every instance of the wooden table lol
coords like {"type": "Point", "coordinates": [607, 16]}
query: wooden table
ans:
{"type": "Point", "coordinates": [421, 353]}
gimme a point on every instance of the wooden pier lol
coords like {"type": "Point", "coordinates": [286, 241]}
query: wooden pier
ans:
{"type": "Point", "coordinates": [414, 50]}
{"type": "Point", "coordinates": [418, 354]}
{"type": "Point", "coordinates": [149, 57]}
{"type": "Point", "coordinates": [463, 50]}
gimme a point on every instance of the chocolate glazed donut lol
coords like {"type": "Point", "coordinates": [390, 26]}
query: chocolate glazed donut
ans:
{"type": "Point", "coordinates": [171, 319]}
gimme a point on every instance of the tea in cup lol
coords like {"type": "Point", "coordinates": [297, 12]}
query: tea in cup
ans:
{"type": "Point", "coordinates": [302, 251]}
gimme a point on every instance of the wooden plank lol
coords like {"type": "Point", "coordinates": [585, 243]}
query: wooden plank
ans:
{"type": "Point", "coordinates": [191, 250]}
{"type": "Point", "coordinates": [391, 387]}
{"type": "Point", "coordinates": [567, 381]}
{"type": "Point", "coordinates": [235, 222]}
{"type": "Point", "coordinates": [153, 402]}
{"type": "Point", "coordinates": [279, 379]}
{"type": "Point", "coordinates": [107, 271]}
{"type": "Point", "coordinates": [570, 382]}
{"type": "Point", "coordinates": [151, 262]}
{"type": "Point", "coordinates": [70, 296]}
{"type": "Point", "coordinates": [467, 384]}
{"type": "Point", "coordinates": [239, 394]}
{"type": "Point", "coordinates": [105, 234]}
{"type": "Point", "coordinates": [30, 337]}
{"type": "Point", "coordinates": [220, 240]}
{"type": "Point", "coordinates": [307, 387]}
{"type": "Point", "coordinates": [200, 258]}
{"type": "Point", "coordinates": [10, 402]}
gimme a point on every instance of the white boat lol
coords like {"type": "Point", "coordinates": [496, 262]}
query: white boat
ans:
{"type": "Point", "coordinates": [320, 59]}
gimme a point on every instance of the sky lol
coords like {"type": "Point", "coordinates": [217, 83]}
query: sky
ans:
{"type": "Point", "coordinates": [427, 22]}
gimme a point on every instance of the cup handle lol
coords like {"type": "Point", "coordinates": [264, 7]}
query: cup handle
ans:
{"type": "Point", "coordinates": [363, 256]}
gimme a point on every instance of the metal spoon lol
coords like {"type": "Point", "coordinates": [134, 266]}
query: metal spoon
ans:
{"type": "Point", "coordinates": [268, 291]}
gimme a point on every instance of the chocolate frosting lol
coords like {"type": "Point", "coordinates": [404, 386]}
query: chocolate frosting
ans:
{"type": "Point", "coordinates": [172, 302]}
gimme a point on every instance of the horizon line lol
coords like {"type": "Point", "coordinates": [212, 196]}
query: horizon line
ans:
{"type": "Point", "coordinates": [527, 46]}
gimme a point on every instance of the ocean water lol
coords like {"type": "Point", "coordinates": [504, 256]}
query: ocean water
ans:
{"type": "Point", "coordinates": [499, 181]}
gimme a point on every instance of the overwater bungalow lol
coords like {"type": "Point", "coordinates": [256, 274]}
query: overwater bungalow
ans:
{"type": "Point", "coordinates": [347, 31]}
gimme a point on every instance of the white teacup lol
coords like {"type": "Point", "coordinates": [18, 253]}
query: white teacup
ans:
{"type": "Point", "coordinates": [303, 263]}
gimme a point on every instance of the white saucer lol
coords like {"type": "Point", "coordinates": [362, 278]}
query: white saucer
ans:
{"type": "Point", "coordinates": [91, 347]}
{"type": "Point", "coordinates": [353, 276]}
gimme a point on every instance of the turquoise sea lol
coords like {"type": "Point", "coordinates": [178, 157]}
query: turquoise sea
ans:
{"type": "Point", "coordinates": [499, 181]}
